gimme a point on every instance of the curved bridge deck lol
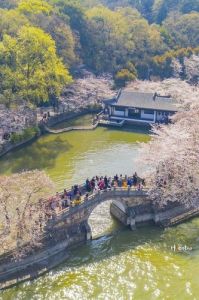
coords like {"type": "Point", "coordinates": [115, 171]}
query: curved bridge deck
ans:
{"type": "Point", "coordinates": [96, 198]}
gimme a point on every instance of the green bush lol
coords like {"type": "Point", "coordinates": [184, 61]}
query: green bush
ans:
{"type": "Point", "coordinates": [27, 134]}
{"type": "Point", "coordinates": [123, 77]}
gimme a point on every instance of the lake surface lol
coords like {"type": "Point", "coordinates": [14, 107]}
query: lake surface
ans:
{"type": "Point", "coordinates": [118, 263]}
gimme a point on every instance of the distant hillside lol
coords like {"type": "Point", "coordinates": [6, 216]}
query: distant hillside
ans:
{"type": "Point", "coordinates": [44, 43]}
{"type": "Point", "coordinates": [156, 10]}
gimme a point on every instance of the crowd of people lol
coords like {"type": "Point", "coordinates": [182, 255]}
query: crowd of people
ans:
{"type": "Point", "coordinates": [79, 193]}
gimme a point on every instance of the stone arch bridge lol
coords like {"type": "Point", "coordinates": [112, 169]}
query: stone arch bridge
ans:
{"type": "Point", "coordinates": [74, 220]}
{"type": "Point", "coordinates": [131, 207]}
{"type": "Point", "coordinates": [67, 228]}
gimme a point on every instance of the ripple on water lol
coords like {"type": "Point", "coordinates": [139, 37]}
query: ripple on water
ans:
{"type": "Point", "coordinates": [104, 269]}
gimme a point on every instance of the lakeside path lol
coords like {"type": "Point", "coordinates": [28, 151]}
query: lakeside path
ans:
{"type": "Point", "coordinates": [70, 128]}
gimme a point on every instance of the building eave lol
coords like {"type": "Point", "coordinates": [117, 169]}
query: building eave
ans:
{"type": "Point", "coordinates": [145, 108]}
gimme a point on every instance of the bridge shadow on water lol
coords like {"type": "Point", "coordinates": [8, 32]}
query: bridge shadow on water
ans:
{"type": "Point", "coordinates": [122, 240]}
{"type": "Point", "coordinates": [113, 244]}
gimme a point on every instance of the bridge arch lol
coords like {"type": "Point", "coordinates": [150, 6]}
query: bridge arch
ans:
{"type": "Point", "coordinates": [102, 219]}
{"type": "Point", "coordinates": [73, 223]}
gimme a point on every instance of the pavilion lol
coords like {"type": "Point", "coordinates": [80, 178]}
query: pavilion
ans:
{"type": "Point", "coordinates": [140, 107]}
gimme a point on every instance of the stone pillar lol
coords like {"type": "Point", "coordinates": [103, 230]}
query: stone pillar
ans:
{"type": "Point", "coordinates": [155, 113]}
{"type": "Point", "coordinates": [88, 231]}
{"type": "Point", "coordinates": [156, 218]}
{"type": "Point", "coordinates": [132, 224]}
{"type": "Point", "coordinates": [129, 190]}
{"type": "Point", "coordinates": [112, 111]}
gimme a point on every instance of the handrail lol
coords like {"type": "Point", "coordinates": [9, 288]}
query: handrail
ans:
{"type": "Point", "coordinates": [101, 192]}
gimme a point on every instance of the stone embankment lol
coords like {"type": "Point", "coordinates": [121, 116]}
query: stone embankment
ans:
{"type": "Point", "coordinates": [71, 128]}
{"type": "Point", "coordinates": [9, 146]}
{"type": "Point", "coordinates": [6, 145]}
{"type": "Point", "coordinates": [46, 126]}
{"type": "Point", "coordinates": [15, 121]}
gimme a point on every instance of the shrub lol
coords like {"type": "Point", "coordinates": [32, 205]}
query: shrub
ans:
{"type": "Point", "coordinates": [27, 134]}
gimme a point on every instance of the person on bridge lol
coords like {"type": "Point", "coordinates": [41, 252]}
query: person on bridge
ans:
{"type": "Point", "coordinates": [88, 185]}
{"type": "Point", "coordinates": [116, 178]}
{"type": "Point", "coordinates": [86, 197]}
{"type": "Point", "coordinates": [92, 183]}
{"type": "Point", "coordinates": [120, 180]}
{"type": "Point", "coordinates": [124, 183]}
{"type": "Point", "coordinates": [101, 184]}
{"type": "Point", "coordinates": [105, 182]}
{"type": "Point", "coordinates": [135, 179]}
{"type": "Point", "coordinates": [129, 182]}
{"type": "Point", "coordinates": [75, 189]}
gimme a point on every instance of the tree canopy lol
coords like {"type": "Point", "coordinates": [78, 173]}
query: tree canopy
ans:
{"type": "Point", "coordinates": [105, 36]}
{"type": "Point", "coordinates": [30, 67]}
{"type": "Point", "coordinates": [23, 213]}
{"type": "Point", "coordinates": [34, 7]}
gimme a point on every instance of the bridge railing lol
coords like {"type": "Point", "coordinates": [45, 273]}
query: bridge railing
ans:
{"type": "Point", "coordinates": [124, 191]}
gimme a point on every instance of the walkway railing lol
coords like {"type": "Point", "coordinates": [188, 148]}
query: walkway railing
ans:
{"type": "Point", "coordinates": [99, 195]}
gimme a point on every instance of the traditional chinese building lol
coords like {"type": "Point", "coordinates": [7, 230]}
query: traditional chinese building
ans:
{"type": "Point", "coordinates": [132, 106]}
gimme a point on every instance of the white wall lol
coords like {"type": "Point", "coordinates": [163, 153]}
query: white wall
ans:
{"type": "Point", "coordinates": [119, 113]}
{"type": "Point", "coordinates": [146, 116]}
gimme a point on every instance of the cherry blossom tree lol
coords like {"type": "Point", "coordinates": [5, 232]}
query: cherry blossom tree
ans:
{"type": "Point", "coordinates": [89, 90]}
{"type": "Point", "coordinates": [192, 68]}
{"type": "Point", "coordinates": [172, 155]}
{"type": "Point", "coordinates": [187, 68]}
{"type": "Point", "coordinates": [182, 91]}
{"type": "Point", "coordinates": [23, 213]}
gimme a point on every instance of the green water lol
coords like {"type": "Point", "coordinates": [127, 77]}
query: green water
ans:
{"type": "Point", "coordinates": [119, 264]}
{"type": "Point", "coordinates": [78, 121]}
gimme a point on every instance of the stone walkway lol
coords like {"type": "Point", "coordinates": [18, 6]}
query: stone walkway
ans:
{"type": "Point", "coordinates": [67, 129]}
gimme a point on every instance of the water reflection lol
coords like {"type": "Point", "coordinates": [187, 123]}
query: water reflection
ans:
{"type": "Point", "coordinates": [39, 155]}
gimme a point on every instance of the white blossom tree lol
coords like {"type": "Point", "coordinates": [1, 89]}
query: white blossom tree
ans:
{"type": "Point", "coordinates": [23, 213]}
{"type": "Point", "coordinates": [172, 155]}
{"type": "Point", "coordinates": [192, 67]}
{"type": "Point", "coordinates": [177, 68]}
{"type": "Point", "coordinates": [89, 90]}
{"type": "Point", "coordinates": [188, 68]}
{"type": "Point", "coordinates": [182, 91]}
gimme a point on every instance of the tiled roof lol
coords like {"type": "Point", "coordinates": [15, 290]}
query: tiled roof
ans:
{"type": "Point", "coordinates": [129, 98]}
